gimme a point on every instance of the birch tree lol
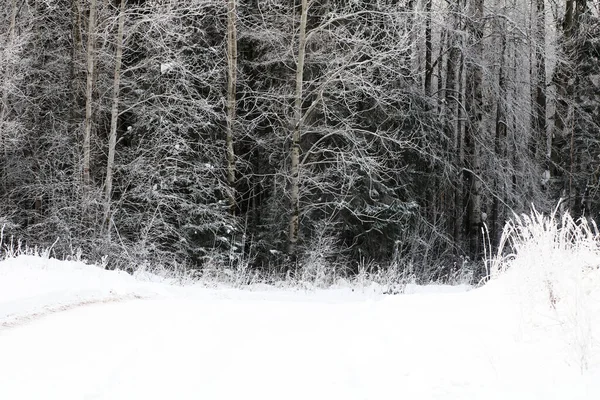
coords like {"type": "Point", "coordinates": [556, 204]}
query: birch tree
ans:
{"type": "Point", "coordinates": [297, 132]}
{"type": "Point", "coordinates": [112, 140]}
{"type": "Point", "coordinates": [89, 91]}
{"type": "Point", "coordinates": [231, 98]}
{"type": "Point", "coordinates": [349, 128]}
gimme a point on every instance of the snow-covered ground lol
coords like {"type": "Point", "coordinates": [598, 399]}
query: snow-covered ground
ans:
{"type": "Point", "coordinates": [72, 331]}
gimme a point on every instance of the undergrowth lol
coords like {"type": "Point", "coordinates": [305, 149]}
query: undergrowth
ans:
{"type": "Point", "coordinates": [319, 268]}
{"type": "Point", "coordinates": [552, 265]}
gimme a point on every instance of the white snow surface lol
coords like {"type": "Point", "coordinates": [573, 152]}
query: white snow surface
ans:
{"type": "Point", "coordinates": [74, 331]}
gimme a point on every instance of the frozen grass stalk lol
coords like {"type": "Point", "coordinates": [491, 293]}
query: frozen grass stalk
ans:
{"type": "Point", "coordinates": [553, 266]}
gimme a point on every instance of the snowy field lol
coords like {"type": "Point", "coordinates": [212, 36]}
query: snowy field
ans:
{"type": "Point", "coordinates": [73, 331]}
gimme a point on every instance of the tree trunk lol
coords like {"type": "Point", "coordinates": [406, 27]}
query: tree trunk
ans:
{"type": "Point", "coordinates": [452, 100]}
{"type": "Point", "coordinates": [114, 116]}
{"type": "Point", "coordinates": [89, 92]}
{"type": "Point", "coordinates": [440, 71]}
{"type": "Point", "coordinates": [75, 54]}
{"type": "Point", "coordinates": [409, 58]}
{"type": "Point", "coordinates": [562, 130]}
{"type": "Point", "coordinates": [296, 134]}
{"type": "Point", "coordinates": [428, 48]}
{"type": "Point", "coordinates": [74, 31]}
{"type": "Point", "coordinates": [231, 99]}
{"type": "Point", "coordinates": [500, 137]}
{"type": "Point", "coordinates": [538, 72]}
{"type": "Point", "coordinates": [474, 110]}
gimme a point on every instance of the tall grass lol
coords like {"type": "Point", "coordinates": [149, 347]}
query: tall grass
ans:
{"type": "Point", "coordinates": [552, 264]}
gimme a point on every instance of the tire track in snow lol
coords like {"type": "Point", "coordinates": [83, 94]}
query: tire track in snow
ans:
{"type": "Point", "coordinates": [18, 319]}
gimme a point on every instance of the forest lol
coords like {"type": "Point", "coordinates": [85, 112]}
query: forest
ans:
{"type": "Point", "coordinates": [289, 136]}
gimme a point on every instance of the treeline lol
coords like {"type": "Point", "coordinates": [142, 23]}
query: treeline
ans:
{"type": "Point", "coordinates": [279, 134]}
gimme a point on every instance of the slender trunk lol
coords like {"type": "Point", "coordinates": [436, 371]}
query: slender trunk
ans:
{"type": "Point", "coordinates": [409, 55]}
{"type": "Point", "coordinates": [512, 143]}
{"type": "Point", "coordinates": [433, 184]}
{"type": "Point", "coordinates": [428, 48]}
{"type": "Point", "coordinates": [89, 92]}
{"type": "Point", "coordinates": [114, 116]}
{"type": "Point", "coordinates": [568, 20]}
{"type": "Point", "coordinates": [231, 99]}
{"type": "Point", "coordinates": [297, 132]}
{"type": "Point", "coordinates": [500, 137]}
{"type": "Point", "coordinates": [460, 198]}
{"type": "Point", "coordinates": [75, 53]}
{"type": "Point", "coordinates": [541, 98]}
{"type": "Point", "coordinates": [474, 110]}
{"type": "Point", "coordinates": [440, 72]}
{"type": "Point", "coordinates": [538, 72]}
{"type": "Point", "coordinates": [452, 94]}
{"type": "Point", "coordinates": [562, 138]}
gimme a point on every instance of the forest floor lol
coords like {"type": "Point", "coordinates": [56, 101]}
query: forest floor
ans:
{"type": "Point", "coordinates": [73, 331]}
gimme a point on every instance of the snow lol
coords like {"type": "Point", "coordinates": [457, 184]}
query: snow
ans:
{"type": "Point", "coordinates": [34, 286]}
{"type": "Point", "coordinates": [166, 67]}
{"type": "Point", "coordinates": [75, 331]}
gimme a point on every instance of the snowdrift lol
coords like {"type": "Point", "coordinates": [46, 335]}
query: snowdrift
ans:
{"type": "Point", "coordinates": [34, 286]}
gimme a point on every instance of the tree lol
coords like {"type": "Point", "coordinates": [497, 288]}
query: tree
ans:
{"type": "Point", "coordinates": [89, 88]}
{"type": "Point", "coordinates": [574, 145]}
{"type": "Point", "coordinates": [326, 132]}
{"type": "Point", "coordinates": [296, 134]}
{"type": "Point", "coordinates": [351, 90]}
{"type": "Point", "coordinates": [231, 97]}
{"type": "Point", "coordinates": [114, 115]}
{"type": "Point", "coordinates": [6, 69]}
{"type": "Point", "coordinates": [473, 129]}
{"type": "Point", "coordinates": [171, 191]}
{"type": "Point", "coordinates": [539, 137]}
{"type": "Point", "coordinates": [453, 101]}
{"type": "Point", "coordinates": [428, 48]}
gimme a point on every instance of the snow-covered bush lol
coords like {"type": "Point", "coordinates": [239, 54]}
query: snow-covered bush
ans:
{"type": "Point", "coordinates": [552, 266]}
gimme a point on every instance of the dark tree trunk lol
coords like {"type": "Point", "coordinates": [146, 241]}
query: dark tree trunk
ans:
{"type": "Point", "coordinates": [538, 144]}
{"type": "Point", "coordinates": [500, 137]}
{"type": "Point", "coordinates": [428, 48]}
{"type": "Point", "coordinates": [473, 130]}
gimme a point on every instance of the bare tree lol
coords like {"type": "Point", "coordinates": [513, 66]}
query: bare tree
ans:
{"type": "Point", "coordinates": [296, 133]}
{"type": "Point", "coordinates": [474, 128]}
{"type": "Point", "coordinates": [428, 48]}
{"type": "Point", "coordinates": [112, 140]}
{"type": "Point", "coordinates": [89, 92]}
{"type": "Point", "coordinates": [231, 98]}
{"type": "Point", "coordinates": [454, 108]}
{"type": "Point", "coordinates": [539, 138]}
